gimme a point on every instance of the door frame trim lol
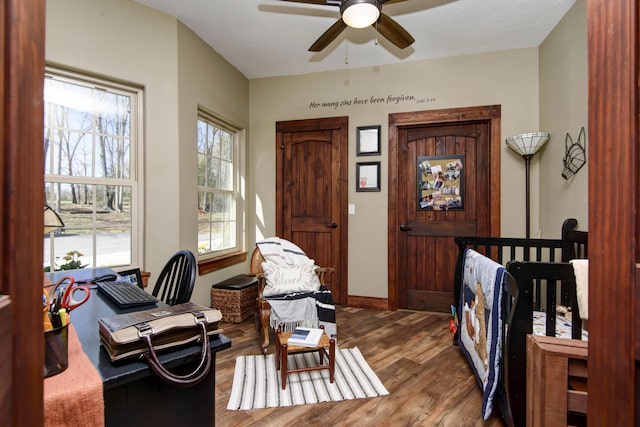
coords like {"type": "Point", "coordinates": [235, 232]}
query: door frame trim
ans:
{"type": "Point", "coordinates": [490, 114]}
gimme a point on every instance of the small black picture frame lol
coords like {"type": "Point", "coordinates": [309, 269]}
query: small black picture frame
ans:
{"type": "Point", "coordinates": [368, 176]}
{"type": "Point", "coordinates": [132, 275]}
{"type": "Point", "coordinates": [368, 140]}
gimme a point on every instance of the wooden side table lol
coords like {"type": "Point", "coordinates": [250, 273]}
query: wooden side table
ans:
{"type": "Point", "coordinates": [283, 350]}
{"type": "Point", "coordinates": [556, 381]}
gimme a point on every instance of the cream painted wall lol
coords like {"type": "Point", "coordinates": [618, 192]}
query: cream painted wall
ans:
{"type": "Point", "coordinates": [123, 40]}
{"type": "Point", "coordinates": [507, 78]}
{"type": "Point", "coordinates": [179, 72]}
{"type": "Point", "coordinates": [209, 81]}
{"type": "Point", "coordinates": [105, 38]}
{"type": "Point", "coordinates": [563, 109]}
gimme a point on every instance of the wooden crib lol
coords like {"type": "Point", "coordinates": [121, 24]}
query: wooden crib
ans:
{"type": "Point", "coordinates": [537, 282]}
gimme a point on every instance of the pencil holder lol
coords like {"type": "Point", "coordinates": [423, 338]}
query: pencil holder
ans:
{"type": "Point", "coordinates": [56, 351]}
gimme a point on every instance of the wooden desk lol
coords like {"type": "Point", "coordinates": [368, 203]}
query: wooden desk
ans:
{"type": "Point", "coordinates": [133, 394]}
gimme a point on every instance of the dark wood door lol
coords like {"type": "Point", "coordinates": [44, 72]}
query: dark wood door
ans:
{"type": "Point", "coordinates": [613, 31]}
{"type": "Point", "coordinates": [22, 32]}
{"type": "Point", "coordinates": [445, 186]}
{"type": "Point", "coordinates": [311, 193]}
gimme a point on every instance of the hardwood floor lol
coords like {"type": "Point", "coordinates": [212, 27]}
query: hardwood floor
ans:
{"type": "Point", "coordinates": [429, 381]}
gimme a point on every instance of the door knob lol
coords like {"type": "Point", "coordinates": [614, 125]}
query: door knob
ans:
{"type": "Point", "coordinates": [332, 225]}
{"type": "Point", "coordinates": [405, 227]}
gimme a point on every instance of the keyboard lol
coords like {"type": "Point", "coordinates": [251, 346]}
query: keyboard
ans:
{"type": "Point", "coordinates": [125, 295]}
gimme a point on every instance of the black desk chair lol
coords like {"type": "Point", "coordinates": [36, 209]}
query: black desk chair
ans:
{"type": "Point", "coordinates": [176, 281]}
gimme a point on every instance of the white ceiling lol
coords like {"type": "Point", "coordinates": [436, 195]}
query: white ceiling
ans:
{"type": "Point", "coordinates": [266, 38]}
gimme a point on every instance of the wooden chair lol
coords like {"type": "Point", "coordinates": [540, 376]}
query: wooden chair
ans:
{"type": "Point", "coordinates": [263, 309]}
{"type": "Point", "coordinates": [326, 348]}
{"type": "Point", "coordinates": [177, 278]}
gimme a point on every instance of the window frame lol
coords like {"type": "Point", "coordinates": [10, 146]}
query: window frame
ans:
{"type": "Point", "coordinates": [215, 260]}
{"type": "Point", "coordinates": [136, 150]}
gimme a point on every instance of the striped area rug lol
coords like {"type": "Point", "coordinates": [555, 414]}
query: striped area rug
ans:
{"type": "Point", "coordinates": [256, 383]}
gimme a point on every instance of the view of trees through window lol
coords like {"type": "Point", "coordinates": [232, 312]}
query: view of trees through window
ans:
{"type": "Point", "coordinates": [90, 153]}
{"type": "Point", "coordinates": [217, 222]}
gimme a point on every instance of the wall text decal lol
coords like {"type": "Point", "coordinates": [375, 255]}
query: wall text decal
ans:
{"type": "Point", "coordinates": [371, 100]}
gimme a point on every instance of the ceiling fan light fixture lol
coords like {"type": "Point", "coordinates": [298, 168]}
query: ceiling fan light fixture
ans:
{"type": "Point", "coordinates": [360, 13]}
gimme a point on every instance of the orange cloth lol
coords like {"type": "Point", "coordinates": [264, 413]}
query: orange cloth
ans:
{"type": "Point", "coordinates": [74, 397]}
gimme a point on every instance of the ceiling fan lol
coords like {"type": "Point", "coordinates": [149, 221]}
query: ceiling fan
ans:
{"type": "Point", "coordinates": [360, 14]}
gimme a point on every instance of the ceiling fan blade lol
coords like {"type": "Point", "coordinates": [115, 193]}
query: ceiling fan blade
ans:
{"type": "Point", "coordinates": [328, 36]}
{"type": "Point", "coordinates": [389, 1]}
{"type": "Point", "coordinates": [318, 2]}
{"type": "Point", "coordinates": [393, 31]}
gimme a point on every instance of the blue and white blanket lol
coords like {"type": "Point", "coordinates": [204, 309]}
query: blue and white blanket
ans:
{"type": "Point", "coordinates": [481, 321]}
{"type": "Point", "coordinates": [293, 289]}
{"type": "Point", "coordinates": [281, 251]}
{"type": "Point", "coordinates": [307, 309]}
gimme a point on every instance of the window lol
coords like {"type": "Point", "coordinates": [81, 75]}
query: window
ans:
{"type": "Point", "coordinates": [218, 212]}
{"type": "Point", "coordinates": [91, 144]}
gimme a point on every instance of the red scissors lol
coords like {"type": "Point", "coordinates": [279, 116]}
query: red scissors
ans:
{"type": "Point", "coordinates": [61, 297]}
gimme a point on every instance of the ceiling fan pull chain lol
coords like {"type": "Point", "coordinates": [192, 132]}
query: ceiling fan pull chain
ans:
{"type": "Point", "coordinates": [376, 35]}
{"type": "Point", "coordinates": [346, 47]}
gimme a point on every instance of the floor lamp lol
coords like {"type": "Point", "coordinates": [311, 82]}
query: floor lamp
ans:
{"type": "Point", "coordinates": [527, 145]}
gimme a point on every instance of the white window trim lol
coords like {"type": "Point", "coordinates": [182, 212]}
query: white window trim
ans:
{"type": "Point", "coordinates": [239, 184]}
{"type": "Point", "coordinates": [137, 159]}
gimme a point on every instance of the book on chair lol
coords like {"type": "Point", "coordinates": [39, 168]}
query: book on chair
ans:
{"type": "Point", "coordinates": [306, 337]}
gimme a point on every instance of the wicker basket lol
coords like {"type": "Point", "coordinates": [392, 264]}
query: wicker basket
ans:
{"type": "Point", "coordinates": [235, 297]}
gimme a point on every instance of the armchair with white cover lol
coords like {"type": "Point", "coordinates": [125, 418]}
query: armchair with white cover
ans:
{"type": "Point", "coordinates": [291, 290]}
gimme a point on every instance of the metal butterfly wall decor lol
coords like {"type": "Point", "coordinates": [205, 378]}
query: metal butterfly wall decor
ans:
{"type": "Point", "coordinates": [575, 155]}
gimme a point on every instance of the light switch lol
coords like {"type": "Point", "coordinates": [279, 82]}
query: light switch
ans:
{"type": "Point", "coordinates": [352, 209]}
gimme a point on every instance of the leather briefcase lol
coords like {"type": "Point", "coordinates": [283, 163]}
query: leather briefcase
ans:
{"type": "Point", "coordinates": [143, 333]}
